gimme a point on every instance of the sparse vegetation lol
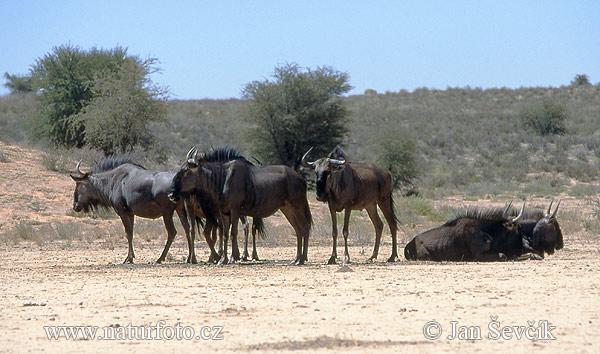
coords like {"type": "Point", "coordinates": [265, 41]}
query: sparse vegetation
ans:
{"type": "Point", "coordinates": [547, 118]}
{"type": "Point", "coordinates": [465, 140]}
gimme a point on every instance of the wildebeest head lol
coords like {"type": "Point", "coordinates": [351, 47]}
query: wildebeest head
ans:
{"type": "Point", "coordinates": [83, 197]}
{"type": "Point", "coordinates": [547, 235]}
{"type": "Point", "coordinates": [186, 178]}
{"type": "Point", "coordinates": [336, 161]}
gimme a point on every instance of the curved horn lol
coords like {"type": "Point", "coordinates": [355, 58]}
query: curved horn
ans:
{"type": "Point", "coordinates": [520, 214]}
{"type": "Point", "coordinates": [305, 163]}
{"type": "Point", "coordinates": [78, 168]}
{"type": "Point", "coordinates": [257, 161]}
{"type": "Point", "coordinates": [190, 153]}
{"type": "Point", "coordinates": [547, 213]}
{"type": "Point", "coordinates": [505, 213]}
{"type": "Point", "coordinates": [555, 210]}
{"type": "Point", "coordinates": [338, 162]}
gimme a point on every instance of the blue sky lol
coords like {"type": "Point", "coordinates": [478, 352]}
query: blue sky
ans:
{"type": "Point", "coordinates": [211, 49]}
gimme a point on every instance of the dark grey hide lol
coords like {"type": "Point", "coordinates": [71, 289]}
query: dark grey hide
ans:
{"type": "Point", "coordinates": [130, 190]}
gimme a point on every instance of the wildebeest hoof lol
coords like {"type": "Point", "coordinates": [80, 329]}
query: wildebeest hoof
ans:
{"type": "Point", "coordinates": [332, 260]}
{"type": "Point", "coordinates": [255, 257]}
{"type": "Point", "coordinates": [370, 260]}
{"type": "Point", "coordinates": [223, 261]}
{"type": "Point", "coordinates": [392, 259]}
{"type": "Point", "coordinates": [194, 260]}
{"type": "Point", "coordinates": [159, 261]}
{"type": "Point", "coordinates": [128, 260]}
{"type": "Point", "coordinates": [502, 257]}
{"type": "Point", "coordinates": [346, 261]}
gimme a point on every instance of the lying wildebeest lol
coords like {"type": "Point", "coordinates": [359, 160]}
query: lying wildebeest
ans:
{"type": "Point", "coordinates": [542, 231]}
{"type": "Point", "coordinates": [474, 235]}
{"type": "Point", "coordinates": [119, 183]}
{"type": "Point", "coordinates": [239, 188]}
{"type": "Point", "coordinates": [354, 186]}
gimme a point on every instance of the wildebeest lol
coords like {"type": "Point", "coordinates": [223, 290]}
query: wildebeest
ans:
{"type": "Point", "coordinates": [239, 188]}
{"type": "Point", "coordinates": [119, 183]}
{"type": "Point", "coordinates": [542, 231]}
{"type": "Point", "coordinates": [474, 235]}
{"type": "Point", "coordinates": [197, 202]}
{"type": "Point", "coordinates": [194, 207]}
{"type": "Point", "coordinates": [354, 186]}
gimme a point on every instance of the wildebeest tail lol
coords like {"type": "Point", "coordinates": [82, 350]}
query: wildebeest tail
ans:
{"type": "Point", "coordinates": [393, 208]}
{"type": "Point", "coordinates": [307, 213]}
{"type": "Point", "coordinates": [199, 223]}
{"type": "Point", "coordinates": [259, 225]}
{"type": "Point", "coordinates": [410, 250]}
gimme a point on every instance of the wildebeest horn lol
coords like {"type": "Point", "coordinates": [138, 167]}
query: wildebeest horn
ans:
{"type": "Point", "coordinates": [78, 168]}
{"type": "Point", "coordinates": [547, 213]}
{"type": "Point", "coordinates": [337, 162]}
{"type": "Point", "coordinates": [190, 153]}
{"type": "Point", "coordinates": [555, 210]}
{"type": "Point", "coordinates": [520, 214]}
{"type": "Point", "coordinates": [506, 209]}
{"type": "Point", "coordinates": [305, 163]}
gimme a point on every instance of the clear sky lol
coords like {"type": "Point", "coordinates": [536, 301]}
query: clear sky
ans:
{"type": "Point", "coordinates": [211, 49]}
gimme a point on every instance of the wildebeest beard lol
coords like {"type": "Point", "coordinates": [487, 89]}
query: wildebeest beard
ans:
{"type": "Point", "coordinates": [98, 196]}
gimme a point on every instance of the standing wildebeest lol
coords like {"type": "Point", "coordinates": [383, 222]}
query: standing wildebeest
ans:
{"type": "Point", "coordinates": [354, 186]}
{"type": "Point", "coordinates": [196, 202]}
{"type": "Point", "coordinates": [239, 188]}
{"type": "Point", "coordinates": [474, 235]}
{"type": "Point", "coordinates": [542, 231]}
{"type": "Point", "coordinates": [119, 183]}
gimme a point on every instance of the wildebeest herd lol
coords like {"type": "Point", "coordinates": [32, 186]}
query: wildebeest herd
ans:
{"type": "Point", "coordinates": [218, 189]}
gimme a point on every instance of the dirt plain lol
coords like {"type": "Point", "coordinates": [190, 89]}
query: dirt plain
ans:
{"type": "Point", "coordinates": [272, 306]}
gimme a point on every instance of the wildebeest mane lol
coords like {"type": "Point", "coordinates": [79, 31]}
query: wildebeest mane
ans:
{"type": "Point", "coordinates": [223, 154]}
{"type": "Point", "coordinates": [113, 161]}
{"type": "Point", "coordinates": [490, 216]}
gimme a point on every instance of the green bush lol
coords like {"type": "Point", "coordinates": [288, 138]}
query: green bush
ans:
{"type": "Point", "coordinates": [549, 118]}
{"type": "Point", "coordinates": [397, 154]}
{"type": "Point", "coordinates": [299, 109]}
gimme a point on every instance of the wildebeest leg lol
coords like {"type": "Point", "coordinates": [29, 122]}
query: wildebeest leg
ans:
{"type": "Point", "coordinates": [492, 257]}
{"type": "Point", "coordinates": [171, 232]}
{"type": "Point", "coordinates": [388, 213]}
{"type": "Point", "coordinates": [127, 220]}
{"type": "Point", "coordinates": [225, 239]}
{"type": "Point", "coordinates": [528, 249]}
{"type": "Point", "coordinates": [190, 234]}
{"type": "Point", "coordinates": [302, 228]}
{"type": "Point", "coordinates": [245, 227]}
{"type": "Point", "coordinates": [378, 224]}
{"type": "Point", "coordinates": [210, 237]}
{"type": "Point", "coordinates": [479, 247]}
{"type": "Point", "coordinates": [235, 251]}
{"type": "Point", "coordinates": [254, 252]}
{"type": "Point", "coordinates": [334, 231]}
{"type": "Point", "coordinates": [345, 232]}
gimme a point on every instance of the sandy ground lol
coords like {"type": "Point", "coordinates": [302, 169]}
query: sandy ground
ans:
{"type": "Point", "coordinates": [272, 306]}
